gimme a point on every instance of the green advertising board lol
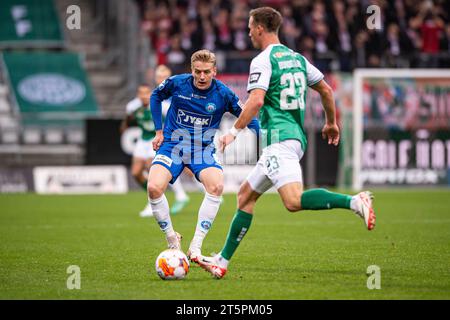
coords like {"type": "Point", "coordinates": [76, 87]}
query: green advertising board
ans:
{"type": "Point", "coordinates": [29, 23]}
{"type": "Point", "coordinates": [50, 85]}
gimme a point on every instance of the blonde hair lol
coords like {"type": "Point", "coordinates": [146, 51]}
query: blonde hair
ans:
{"type": "Point", "coordinates": [203, 56]}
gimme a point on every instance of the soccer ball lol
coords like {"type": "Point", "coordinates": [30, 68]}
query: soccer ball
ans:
{"type": "Point", "coordinates": [172, 264]}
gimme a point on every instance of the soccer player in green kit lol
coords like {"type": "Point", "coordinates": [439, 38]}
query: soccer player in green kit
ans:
{"type": "Point", "coordinates": [277, 84]}
{"type": "Point", "coordinates": [143, 154]}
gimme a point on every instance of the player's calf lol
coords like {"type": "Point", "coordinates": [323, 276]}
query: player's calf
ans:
{"type": "Point", "coordinates": [247, 197]}
{"type": "Point", "coordinates": [292, 205]}
{"type": "Point", "coordinates": [291, 194]}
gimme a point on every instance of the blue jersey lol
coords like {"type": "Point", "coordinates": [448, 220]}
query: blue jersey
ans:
{"type": "Point", "coordinates": [193, 109]}
{"type": "Point", "coordinates": [193, 118]}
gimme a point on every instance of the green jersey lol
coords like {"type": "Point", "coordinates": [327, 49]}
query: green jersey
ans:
{"type": "Point", "coordinates": [285, 76]}
{"type": "Point", "coordinates": [143, 117]}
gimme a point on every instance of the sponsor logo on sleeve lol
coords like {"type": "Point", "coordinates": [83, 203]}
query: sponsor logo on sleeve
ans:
{"type": "Point", "coordinates": [254, 77]}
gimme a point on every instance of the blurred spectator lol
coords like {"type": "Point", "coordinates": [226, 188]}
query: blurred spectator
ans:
{"type": "Point", "coordinates": [290, 32]}
{"type": "Point", "coordinates": [331, 34]}
{"type": "Point", "coordinates": [430, 32]}
{"type": "Point", "coordinates": [399, 47]}
{"type": "Point", "coordinates": [445, 46]}
{"type": "Point", "coordinates": [176, 58]}
{"type": "Point", "coordinates": [162, 46]}
{"type": "Point", "coordinates": [223, 30]}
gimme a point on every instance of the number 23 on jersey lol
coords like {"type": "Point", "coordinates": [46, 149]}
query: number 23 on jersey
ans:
{"type": "Point", "coordinates": [292, 97]}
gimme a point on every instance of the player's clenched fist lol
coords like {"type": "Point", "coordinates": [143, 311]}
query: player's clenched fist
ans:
{"type": "Point", "coordinates": [158, 140]}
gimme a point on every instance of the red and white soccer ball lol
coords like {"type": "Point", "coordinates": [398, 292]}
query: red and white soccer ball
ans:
{"type": "Point", "coordinates": [172, 264]}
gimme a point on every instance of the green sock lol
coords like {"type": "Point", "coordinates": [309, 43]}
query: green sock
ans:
{"type": "Point", "coordinates": [320, 199]}
{"type": "Point", "coordinates": [144, 185]}
{"type": "Point", "coordinates": [238, 228]}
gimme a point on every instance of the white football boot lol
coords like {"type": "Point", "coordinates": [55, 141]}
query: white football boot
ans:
{"type": "Point", "coordinates": [147, 212]}
{"type": "Point", "coordinates": [364, 208]}
{"type": "Point", "coordinates": [193, 254]}
{"type": "Point", "coordinates": [212, 265]}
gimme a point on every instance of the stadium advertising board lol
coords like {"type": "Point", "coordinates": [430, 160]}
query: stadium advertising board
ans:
{"type": "Point", "coordinates": [29, 23]}
{"type": "Point", "coordinates": [406, 131]}
{"type": "Point", "coordinates": [15, 180]}
{"type": "Point", "coordinates": [50, 84]}
{"type": "Point", "coordinates": [80, 180]}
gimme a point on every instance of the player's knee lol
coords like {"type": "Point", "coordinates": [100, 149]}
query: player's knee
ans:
{"type": "Point", "coordinates": [215, 189]}
{"type": "Point", "coordinates": [154, 191]}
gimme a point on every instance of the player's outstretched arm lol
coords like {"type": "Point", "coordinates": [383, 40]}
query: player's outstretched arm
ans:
{"type": "Point", "coordinates": [330, 130]}
{"type": "Point", "coordinates": [249, 111]}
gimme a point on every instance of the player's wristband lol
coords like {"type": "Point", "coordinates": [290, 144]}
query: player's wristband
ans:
{"type": "Point", "coordinates": [235, 131]}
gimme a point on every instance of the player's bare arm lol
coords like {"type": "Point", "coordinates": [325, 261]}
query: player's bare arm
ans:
{"type": "Point", "coordinates": [330, 130]}
{"type": "Point", "coordinates": [250, 109]}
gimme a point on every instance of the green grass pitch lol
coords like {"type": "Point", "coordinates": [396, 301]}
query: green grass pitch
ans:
{"type": "Point", "coordinates": [307, 255]}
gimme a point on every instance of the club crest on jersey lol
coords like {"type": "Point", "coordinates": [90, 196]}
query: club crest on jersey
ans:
{"type": "Point", "coordinates": [210, 107]}
{"type": "Point", "coordinates": [254, 77]}
{"type": "Point", "coordinates": [191, 119]}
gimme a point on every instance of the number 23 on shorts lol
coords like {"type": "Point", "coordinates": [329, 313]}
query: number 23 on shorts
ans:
{"type": "Point", "coordinates": [272, 164]}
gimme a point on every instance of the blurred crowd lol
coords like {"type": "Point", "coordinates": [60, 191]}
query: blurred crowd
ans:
{"type": "Point", "coordinates": [334, 35]}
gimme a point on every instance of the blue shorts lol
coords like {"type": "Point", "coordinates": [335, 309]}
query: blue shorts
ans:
{"type": "Point", "coordinates": [175, 156]}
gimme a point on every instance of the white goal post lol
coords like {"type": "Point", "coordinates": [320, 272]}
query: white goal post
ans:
{"type": "Point", "coordinates": [358, 81]}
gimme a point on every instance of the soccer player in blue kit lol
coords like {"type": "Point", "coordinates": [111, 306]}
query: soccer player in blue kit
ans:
{"type": "Point", "coordinates": [198, 104]}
